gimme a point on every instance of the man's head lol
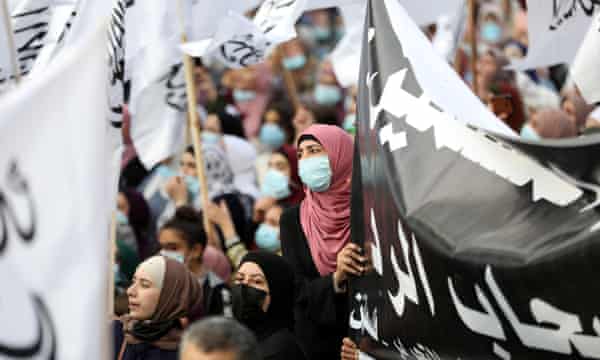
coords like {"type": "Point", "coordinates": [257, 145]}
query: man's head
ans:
{"type": "Point", "coordinates": [218, 338]}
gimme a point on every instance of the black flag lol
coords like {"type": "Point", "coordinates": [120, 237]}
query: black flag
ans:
{"type": "Point", "coordinates": [478, 250]}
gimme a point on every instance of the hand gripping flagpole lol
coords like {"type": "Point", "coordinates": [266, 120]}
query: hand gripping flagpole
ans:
{"type": "Point", "coordinates": [194, 123]}
{"type": "Point", "coordinates": [11, 42]}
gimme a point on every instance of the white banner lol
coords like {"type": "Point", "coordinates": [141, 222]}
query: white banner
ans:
{"type": "Point", "coordinates": [556, 30]}
{"type": "Point", "coordinates": [586, 68]}
{"type": "Point", "coordinates": [55, 199]}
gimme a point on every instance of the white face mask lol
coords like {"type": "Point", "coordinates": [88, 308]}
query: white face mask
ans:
{"type": "Point", "coordinates": [175, 255]}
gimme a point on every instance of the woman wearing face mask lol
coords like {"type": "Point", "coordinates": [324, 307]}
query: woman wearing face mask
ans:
{"type": "Point", "coordinates": [163, 298]}
{"type": "Point", "coordinates": [494, 80]}
{"type": "Point", "coordinates": [549, 124]}
{"type": "Point", "coordinates": [183, 239]}
{"type": "Point", "coordinates": [241, 155]}
{"type": "Point", "coordinates": [185, 190]}
{"type": "Point", "coordinates": [267, 234]}
{"type": "Point", "coordinates": [263, 298]}
{"type": "Point", "coordinates": [251, 95]}
{"type": "Point", "coordinates": [297, 60]}
{"type": "Point", "coordinates": [133, 210]}
{"type": "Point", "coordinates": [328, 91]}
{"type": "Point", "coordinates": [492, 29]}
{"type": "Point", "coordinates": [315, 239]}
{"type": "Point", "coordinates": [281, 180]}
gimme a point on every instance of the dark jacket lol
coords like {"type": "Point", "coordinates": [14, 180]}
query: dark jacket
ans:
{"type": "Point", "coordinates": [282, 345]}
{"type": "Point", "coordinates": [320, 314]}
{"type": "Point", "coordinates": [217, 297]}
{"type": "Point", "coordinates": [138, 351]}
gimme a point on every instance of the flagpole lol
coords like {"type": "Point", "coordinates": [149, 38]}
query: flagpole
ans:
{"type": "Point", "coordinates": [11, 41]}
{"type": "Point", "coordinates": [474, 54]}
{"type": "Point", "coordinates": [288, 80]}
{"type": "Point", "coordinates": [194, 123]}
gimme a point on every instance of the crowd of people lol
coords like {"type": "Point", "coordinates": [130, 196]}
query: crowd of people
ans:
{"type": "Point", "coordinates": [261, 270]}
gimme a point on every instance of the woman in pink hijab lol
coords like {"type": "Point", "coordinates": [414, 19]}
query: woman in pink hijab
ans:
{"type": "Point", "coordinates": [315, 239]}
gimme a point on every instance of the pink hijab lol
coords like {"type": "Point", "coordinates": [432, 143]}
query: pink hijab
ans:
{"type": "Point", "coordinates": [325, 216]}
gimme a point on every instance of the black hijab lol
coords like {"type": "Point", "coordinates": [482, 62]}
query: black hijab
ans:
{"type": "Point", "coordinates": [280, 278]}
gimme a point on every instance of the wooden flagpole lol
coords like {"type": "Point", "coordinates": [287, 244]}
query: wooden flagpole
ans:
{"type": "Point", "coordinates": [11, 41]}
{"type": "Point", "coordinates": [474, 54]}
{"type": "Point", "coordinates": [194, 123]}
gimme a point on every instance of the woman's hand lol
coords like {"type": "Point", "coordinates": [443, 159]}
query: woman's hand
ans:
{"type": "Point", "coordinates": [261, 207]}
{"type": "Point", "coordinates": [220, 216]}
{"type": "Point", "coordinates": [177, 190]}
{"type": "Point", "coordinates": [349, 262]}
{"type": "Point", "coordinates": [349, 350]}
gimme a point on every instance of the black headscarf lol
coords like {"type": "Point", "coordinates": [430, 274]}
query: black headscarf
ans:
{"type": "Point", "coordinates": [231, 124]}
{"type": "Point", "coordinates": [280, 277]}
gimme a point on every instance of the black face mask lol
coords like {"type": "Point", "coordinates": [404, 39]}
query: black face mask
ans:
{"type": "Point", "coordinates": [247, 305]}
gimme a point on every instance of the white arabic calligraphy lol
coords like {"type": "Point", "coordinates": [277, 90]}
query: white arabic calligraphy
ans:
{"type": "Point", "coordinates": [563, 329]}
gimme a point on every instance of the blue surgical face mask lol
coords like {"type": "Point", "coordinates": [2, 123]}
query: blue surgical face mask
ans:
{"type": "Point", "coordinates": [267, 238]}
{"type": "Point", "coordinates": [209, 137]}
{"type": "Point", "coordinates": [175, 255]}
{"type": "Point", "coordinates": [315, 173]}
{"type": "Point", "coordinates": [294, 62]}
{"type": "Point", "coordinates": [322, 32]}
{"type": "Point", "coordinates": [529, 133]}
{"type": "Point", "coordinates": [491, 32]}
{"type": "Point", "coordinates": [240, 95]}
{"type": "Point", "coordinates": [350, 123]}
{"type": "Point", "coordinates": [327, 94]}
{"type": "Point", "coordinates": [276, 185]}
{"type": "Point", "coordinates": [192, 184]}
{"type": "Point", "coordinates": [165, 172]}
{"type": "Point", "coordinates": [122, 218]}
{"type": "Point", "coordinates": [272, 135]}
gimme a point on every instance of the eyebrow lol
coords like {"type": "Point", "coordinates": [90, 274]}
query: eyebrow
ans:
{"type": "Point", "coordinates": [253, 276]}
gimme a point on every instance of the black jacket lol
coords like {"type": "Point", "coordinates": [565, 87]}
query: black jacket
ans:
{"type": "Point", "coordinates": [282, 345]}
{"type": "Point", "coordinates": [320, 314]}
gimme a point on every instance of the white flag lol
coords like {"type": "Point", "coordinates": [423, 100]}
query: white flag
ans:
{"type": "Point", "coordinates": [421, 13]}
{"type": "Point", "coordinates": [239, 42]}
{"type": "Point", "coordinates": [55, 148]}
{"type": "Point", "coordinates": [586, 68]}
{"type": "Point", "coordinates": [556, 30]}
{"type": "Point", "coordinates": [31, 23]}
{"type": "Point", "coordinates": [146, 73]}
{"type": "Point", "coordinates": [62, 14]}
{"type": "Point", "coordinates": [7, 53]}
{"type": "Point", "coordinates": [206, 15]}
{"type": "Point", "coordinates": [345, 58]}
